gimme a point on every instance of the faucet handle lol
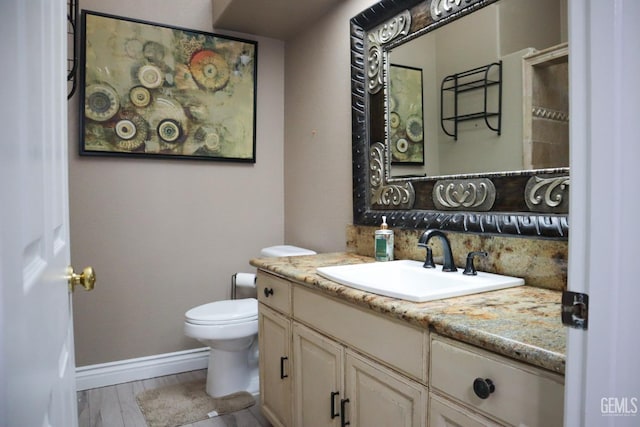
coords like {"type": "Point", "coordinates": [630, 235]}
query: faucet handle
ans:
{"type": "Point", "coordinates": [470, 269]}
{"type": "Point", "coordinates": [428, 261]}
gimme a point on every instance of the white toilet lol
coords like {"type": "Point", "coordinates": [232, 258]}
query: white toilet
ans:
{"type": "Point", "coordinates": [230, 329]}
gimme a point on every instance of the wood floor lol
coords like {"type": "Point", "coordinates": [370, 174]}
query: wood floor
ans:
{"type": "Point", "coordinates": [115, 406]}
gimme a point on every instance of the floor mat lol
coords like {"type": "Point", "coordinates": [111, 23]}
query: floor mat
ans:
{"type": "Point", "coordinates": [186, 403]}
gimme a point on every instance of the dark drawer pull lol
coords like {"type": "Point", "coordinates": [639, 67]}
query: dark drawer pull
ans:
{"type": "Point", "coordinates": [483, 387]}
{"type": "Point", "coordinates": [343, 416]}
{"type": "Point", "coordinates": [267, 292]}
{"type": "Point", "coordinates": [333, 404]}
{"type": "Point", "coordinates": [282, 374]}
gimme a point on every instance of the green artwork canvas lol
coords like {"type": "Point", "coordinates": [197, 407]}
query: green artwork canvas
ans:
{"type": "Point", "coordinates": [406, 132]}
{"type": "Point", "coordinates": [152, 90]}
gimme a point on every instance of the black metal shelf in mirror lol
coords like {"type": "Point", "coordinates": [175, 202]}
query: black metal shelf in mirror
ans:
{"type": "Point", "coordinates": [454, 85]}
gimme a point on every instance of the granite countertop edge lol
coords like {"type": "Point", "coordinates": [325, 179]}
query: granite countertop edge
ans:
{"type": "Point", "coordinates": [521, 323]}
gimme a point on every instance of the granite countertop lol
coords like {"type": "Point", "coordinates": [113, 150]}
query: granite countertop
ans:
{"type": "Point", "coordinates": [522, 323]}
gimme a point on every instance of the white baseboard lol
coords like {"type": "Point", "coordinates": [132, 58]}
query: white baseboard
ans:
{"type": "Point", "coordinates": [142, 368]}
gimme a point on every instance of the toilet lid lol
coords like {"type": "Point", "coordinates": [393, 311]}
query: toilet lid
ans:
{"type": "Point", "coordinates": [228, 311]}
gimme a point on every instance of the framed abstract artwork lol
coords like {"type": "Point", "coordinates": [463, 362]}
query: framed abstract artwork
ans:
{"type": "Point", "coordinates": [155, 91]}
{"type": "Point", "coordinates": [406, 133]}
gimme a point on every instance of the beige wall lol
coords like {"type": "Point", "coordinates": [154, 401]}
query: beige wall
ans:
{"type": "Point", "coordinates": [318, 185]}
{"type": "Point", "coordinates": [165, 236]}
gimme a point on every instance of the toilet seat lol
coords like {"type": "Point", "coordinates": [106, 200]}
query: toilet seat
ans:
{"type": "Point", "coordinates": [224, 312]}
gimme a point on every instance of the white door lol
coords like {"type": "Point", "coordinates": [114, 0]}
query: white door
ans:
{"type": "Point", "coordinates": [603, 373]}
{"type": "Point", "coordinates": [36, 329]}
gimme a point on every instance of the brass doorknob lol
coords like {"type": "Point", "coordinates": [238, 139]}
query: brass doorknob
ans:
{"type": "Point", "coordinates": [87, 279]}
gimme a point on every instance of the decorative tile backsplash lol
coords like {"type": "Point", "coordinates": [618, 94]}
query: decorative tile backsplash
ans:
{"type": "Point", "coordinates": [542, 263]}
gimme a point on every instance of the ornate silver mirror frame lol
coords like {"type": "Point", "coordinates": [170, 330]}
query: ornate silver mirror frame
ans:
{"type": "Point", "coordinates": [530, 203]}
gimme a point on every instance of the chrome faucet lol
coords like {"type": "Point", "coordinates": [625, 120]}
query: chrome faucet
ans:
{"type": "Point", "coordinates": [448, 264]}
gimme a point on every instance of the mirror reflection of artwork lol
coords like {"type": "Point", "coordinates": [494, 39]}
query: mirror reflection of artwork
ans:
{"type": "Point", "coordinates": [405, 119]}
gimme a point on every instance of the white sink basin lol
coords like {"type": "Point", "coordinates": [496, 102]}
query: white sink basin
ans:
{"type": "Point", "coordinates": [408, 280]}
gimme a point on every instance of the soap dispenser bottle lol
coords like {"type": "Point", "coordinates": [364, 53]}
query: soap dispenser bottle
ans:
{"type": "Point", "coordinates": [384, 242]}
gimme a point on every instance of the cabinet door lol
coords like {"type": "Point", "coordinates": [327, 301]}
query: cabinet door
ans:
{"type": "Point", "coordinates": [380, 397]}
{"type": "Point", "coordinates": [444, 413]}
{"type": "Point", "coordinates": [274, 335]}
{"type": "Point", "coordinates": [318, 373]}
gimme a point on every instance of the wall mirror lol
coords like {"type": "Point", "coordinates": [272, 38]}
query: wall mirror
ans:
{"type": "Point", "coordinates": [460, 116]}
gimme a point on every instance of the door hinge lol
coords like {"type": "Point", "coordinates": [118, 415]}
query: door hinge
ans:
{"type": "Point", "coordinates": [575, 309]}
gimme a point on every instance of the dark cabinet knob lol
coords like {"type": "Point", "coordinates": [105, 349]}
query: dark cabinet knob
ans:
{"type": "Point", "coordinates": [267, 292]}
{"type": "Point", "coordinates": [483, 387]}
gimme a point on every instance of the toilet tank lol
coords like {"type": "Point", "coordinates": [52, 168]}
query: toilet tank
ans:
{"type": "Point", "coordinates": [243, 285]}
{"type": "Point", "coordinates": [285, 250]}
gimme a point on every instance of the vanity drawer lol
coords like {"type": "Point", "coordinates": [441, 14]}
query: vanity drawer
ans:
{"type": "Point", "coordinates": [274, 292]}
{"type": "Point", "coordinates": [523, 395]}
{"type": "Point", "coordinates": [394, 343]}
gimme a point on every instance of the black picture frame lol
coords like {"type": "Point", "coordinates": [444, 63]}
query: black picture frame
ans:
{"type": "Point", "coordinates": [157, 91]}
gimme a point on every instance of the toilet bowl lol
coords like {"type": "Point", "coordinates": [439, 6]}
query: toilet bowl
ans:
{"type": "Point", "coordinates": [230, 329]}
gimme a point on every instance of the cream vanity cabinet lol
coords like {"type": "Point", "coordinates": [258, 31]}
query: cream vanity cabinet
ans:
{"type": "Point", "coordinates": [324, 362]}
{"type": "Point", "coordinates": [466, 381]}
{"type": "Point", "coordinates": [274, 332]}
{"type": "Point", "coordinates": [340, 365]}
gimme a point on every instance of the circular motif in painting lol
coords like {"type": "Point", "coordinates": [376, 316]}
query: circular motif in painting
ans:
{"type": "Point", "coordinates": [209, 69]}
{"type": "Point", "coordinates": [169, 130]}
{"type": "Point", "coordinates": [402, 145]}
{"type": "Point", "coordinates": [153, 51]}
{"type": "Point", "coordinates": [392, 103]}
{"type": "Point", "coordinates": [150, 76]}
{"type": "Point", "coordinates": [394, 120]}
{"type": "Point", "coordinates": [414, 128]}
{"type": "Point", "coordinates": [132, 130]}
{"type": "Point", "coordinates": [133, 48]}
{"type": "Point", "coordinates": [101, 102]}
{"type": "Point", "coordinates": [125, 129]}
{"type": "Point", "coordinates": [140, 96]}
{"type": "Point", "coordinates": [209, 137]}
